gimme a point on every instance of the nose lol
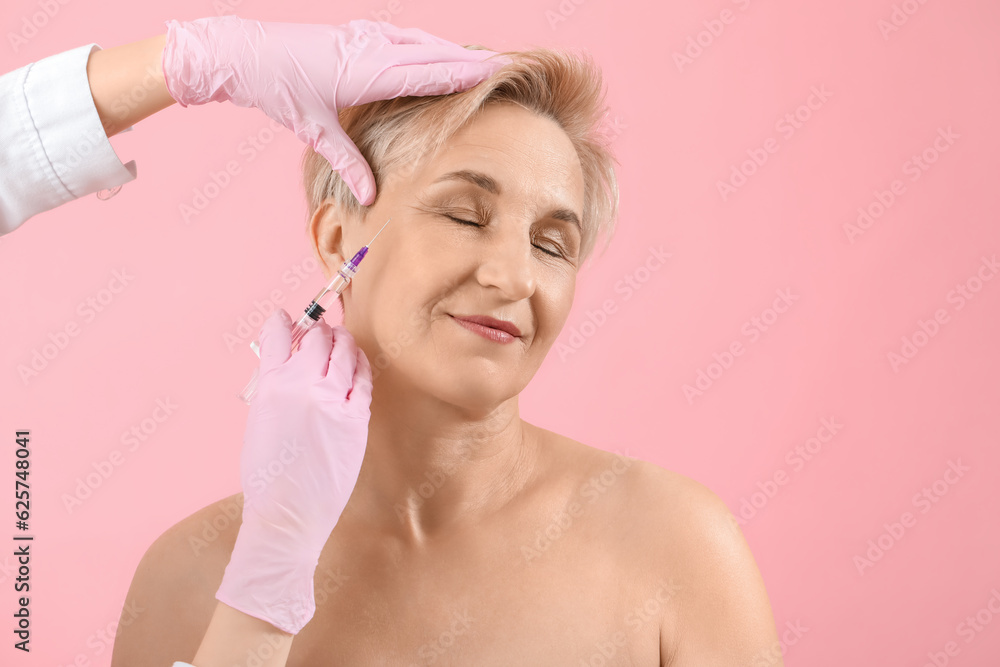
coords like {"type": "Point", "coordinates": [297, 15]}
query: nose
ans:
{"type": "Point", "coordinates": [508, 266]}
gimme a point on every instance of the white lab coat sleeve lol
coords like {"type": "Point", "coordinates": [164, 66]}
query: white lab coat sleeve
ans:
{"type": "Point", "coordinates": [53, 147]}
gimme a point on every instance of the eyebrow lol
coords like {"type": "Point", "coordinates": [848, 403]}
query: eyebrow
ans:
{"type": "Point", "coordinates": [488, 183]}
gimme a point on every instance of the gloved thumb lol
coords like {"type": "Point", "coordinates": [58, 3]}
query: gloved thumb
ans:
{"type": "Point", "coordinates": [345, 158]}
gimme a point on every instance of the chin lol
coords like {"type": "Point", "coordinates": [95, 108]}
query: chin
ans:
{"type": "Point", "coordinates": [474, 391]}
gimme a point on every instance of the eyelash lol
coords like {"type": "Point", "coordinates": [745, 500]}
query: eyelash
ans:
{"type": "Point", "coordinates": [476, 224]}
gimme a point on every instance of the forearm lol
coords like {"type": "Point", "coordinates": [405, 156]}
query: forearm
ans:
{"type": "Point", "coordinates": [234, 638]}
{"type": "Point", "coordinates": [127, 83]}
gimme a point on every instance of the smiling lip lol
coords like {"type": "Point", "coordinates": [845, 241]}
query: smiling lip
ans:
{"type": "Point", "coordinates": [496, 330]}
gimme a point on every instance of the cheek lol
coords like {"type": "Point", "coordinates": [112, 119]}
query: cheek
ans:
{"type": "Point", "coordinates": [385, 279]}
{"type": "Point", "coordinates": [401, 303]}
{"type": "Point", "coordinates": [554, 307]}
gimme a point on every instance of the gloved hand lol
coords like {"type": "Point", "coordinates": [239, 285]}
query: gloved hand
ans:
{"type": "Point", "coordinates": [305, 440]}
{"type": "Point", "coordinates": [301, 74]}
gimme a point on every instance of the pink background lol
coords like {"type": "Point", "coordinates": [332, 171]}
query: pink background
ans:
{"type": "Point", "coordinates": [680, 130]}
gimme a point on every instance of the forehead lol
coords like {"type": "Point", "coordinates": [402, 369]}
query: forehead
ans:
{"type": "Point", "coordinates": [527, 159]}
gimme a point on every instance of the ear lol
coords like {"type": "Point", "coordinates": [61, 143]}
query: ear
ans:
{"type": "Point", "coordinates": [326, 233]}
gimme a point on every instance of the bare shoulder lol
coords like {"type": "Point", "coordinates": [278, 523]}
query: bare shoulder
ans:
{"type": "Point", "coordinates": [684, 548]}
{"type": "Point", "coordinates": [721, 613]}
{"type": "Point", "coordinates": [172, 595]}
{"type": "Point", "coordinates": [693, 512]}
{"type": "Point", "coordinates": [648, 491]}
{"type": "Point", "coordinates": [675, 520]}
{"type": "Point", "coordinates": [645, 508]}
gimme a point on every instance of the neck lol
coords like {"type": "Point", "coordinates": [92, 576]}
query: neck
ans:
{"type": "Point", "coordinates": [432, 468]}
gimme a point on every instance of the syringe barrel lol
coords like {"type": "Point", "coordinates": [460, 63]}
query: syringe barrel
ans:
{"type": "Point", "coordinates": [248, 392]}
{"type": "Point", "coordinates": [329, 294]}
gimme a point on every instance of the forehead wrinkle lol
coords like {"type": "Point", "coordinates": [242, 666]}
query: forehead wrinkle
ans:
{"type": "Point", "coordinates": [477, 178]}
{"type": "Point", "coordinates": [470, 154]}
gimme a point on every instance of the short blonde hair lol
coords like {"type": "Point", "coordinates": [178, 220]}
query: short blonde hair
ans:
{"type": "Point", "coordinates": [402, 131]}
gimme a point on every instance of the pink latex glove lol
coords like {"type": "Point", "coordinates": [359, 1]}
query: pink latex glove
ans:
{"type": "Point", "coordinates": [301, 74]}
{"type": "Point", "coordinates": [305, 440]}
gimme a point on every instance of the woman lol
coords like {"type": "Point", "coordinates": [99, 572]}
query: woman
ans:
{"type": "Point", "coordinates": [406, 514]}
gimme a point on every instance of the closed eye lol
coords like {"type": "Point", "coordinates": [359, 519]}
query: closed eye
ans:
{"type": "Point", "coordinates": [476, 224]}
{"type": "Point", "coordinates": [464, 222]}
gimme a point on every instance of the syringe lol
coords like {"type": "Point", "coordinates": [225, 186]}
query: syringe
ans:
{"type": "Point", "coordinates": [314, 311]}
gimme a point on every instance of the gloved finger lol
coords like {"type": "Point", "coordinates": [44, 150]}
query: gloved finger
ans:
{"type": "Point", "coordinates": [427, 79]}
{"type": "Point", "coordinates": [418, 54]}
{"type": "Point", "coordinates": [275, 340]}
{"type": "Point", "coordinates": [382, 32]}
{"type": "Point", "coordinates": [313, 355]}
{"type": "Point", "coordinates": [343, 360]}
{"type": "Point", "coordinates": [345, 158]}
{"type": "Point", "coordinates": [396, 34]}
{"type": "Point", "coordinates": [362, 385]}
{"type": "Point", "coordinates": [399, 35]}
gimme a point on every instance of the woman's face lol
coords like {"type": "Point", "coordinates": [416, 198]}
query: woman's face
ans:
{"type": "Point", "coordinates": [513, 172]}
